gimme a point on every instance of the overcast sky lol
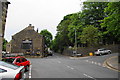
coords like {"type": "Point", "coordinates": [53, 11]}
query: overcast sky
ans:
{"type": "Point", "coordinates": [43, 14]}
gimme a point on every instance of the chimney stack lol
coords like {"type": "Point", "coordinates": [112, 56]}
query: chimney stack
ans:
{"type": "Point", "coordinates": [37, 30]}
{"type": "Point", "coordinates": [30, 27]}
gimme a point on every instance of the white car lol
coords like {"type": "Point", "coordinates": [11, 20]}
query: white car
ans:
{"type": "Point", "coordinates": [102, 51]}
{"type": "Point", "coordinates": [10, 71]}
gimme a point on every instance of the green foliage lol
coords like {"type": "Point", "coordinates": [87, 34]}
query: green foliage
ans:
{"type": "Point", "coordinates": [89, 35]}
{"type": "Point", "coordinates": [97, 24]}
{"type": "Point", "coordinates": [48, 37]}
{"type": "Point", "coordinates": [93, 12]}
{"type": "Point", "coordinates": [57, 44]}
{"type": "Point", "coordinates": [76, 24]}
{"type": "Point", "coordinates": [4, 44]}
{"type": "Point", "coordinates": [112, 21]}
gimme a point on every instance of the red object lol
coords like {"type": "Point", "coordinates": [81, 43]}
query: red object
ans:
{"type": "Point", "coordinates": [19, 61]}
{"type": "Point", "coordinates": [18, 76]}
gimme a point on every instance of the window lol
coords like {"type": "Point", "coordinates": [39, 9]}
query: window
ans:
{"type": "Point", "coordinates": [10, 60]}
{"type": "Point", "coordinates": [18, 60]}
{"type": "Point", "coordinates": [8, 65]}
{"type": "Point", "coordinates": [2, 70]}
{"type": "Point", "coordinates": [101, 50]}
{"type": "Point", "coordinates": [23, 59]}
{"type": "Point", "coordinates": [26, 44]}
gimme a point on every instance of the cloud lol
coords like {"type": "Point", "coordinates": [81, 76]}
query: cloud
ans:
{"type": "Point", "coordinates": [43, 14]}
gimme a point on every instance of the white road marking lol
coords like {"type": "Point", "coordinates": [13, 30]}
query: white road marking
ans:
{"type": "Point", "coordinates": [70, 67]}
{"type": "Point", "coordinates": [59, 61]}
{"type": "Point", "coordinates": [95, 63]}
{"type": "Point", "coordinates": [24, 75]}
{"type": "Point", "coordinates": [92, 62]}
{"type": "Point", "coordinates": [30, 71]}
{"type": "Point", "coordinates": [99, 64]}
{"type": "Point", "coordinates": [89, 76]}
{"type": "Point", "coordinates": [86, 60]}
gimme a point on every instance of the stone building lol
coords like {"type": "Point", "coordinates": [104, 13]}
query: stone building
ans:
{"type": "Point", "coordinates": [3, 15]}
{"type": "Point", "coordinates": [27, 41]}
{"type": "Point", "coordinates": [8, 47]}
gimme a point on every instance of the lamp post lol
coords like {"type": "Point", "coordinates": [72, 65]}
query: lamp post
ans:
{"type": "Point", "coordinates": [76, 36]}
{"type": "Point", "coordinates": [75, 52]}
{"type": "Point", "coordinates": [75, 42]}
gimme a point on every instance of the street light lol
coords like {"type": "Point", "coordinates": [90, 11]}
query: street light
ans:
{"type": "Point", "coordinates": [75, 39]}
{"type": "Point", "coordinates": [75, 42]}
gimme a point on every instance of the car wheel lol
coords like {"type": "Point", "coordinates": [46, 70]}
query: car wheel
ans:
{"type": "Point", "coordinates": [109, 52]}
{"type": "Point", "coordinates": [100, 54]}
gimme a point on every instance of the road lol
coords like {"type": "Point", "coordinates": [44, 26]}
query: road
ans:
{"type": "Point", "coordinates": [58, 66]}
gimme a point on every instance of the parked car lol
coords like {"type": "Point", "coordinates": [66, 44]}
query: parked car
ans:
{"type": "Point", "coordinates": [102, 51]}
{"type": "Point", "coordinates": [19, 61]}
{"type": "Point", "coordinates": [3, 54]}
{"type": "Point", "coordinates": [50, 53]}
{"type": "Point", "coordinates": [10, 71]}
{"type": "Point", "coordinates": [76, 54]}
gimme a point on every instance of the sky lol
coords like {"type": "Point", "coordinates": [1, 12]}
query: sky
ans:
{"type": "Point", "coordinates": [42, 14]}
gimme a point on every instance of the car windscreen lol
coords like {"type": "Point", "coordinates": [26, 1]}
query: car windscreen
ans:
{"type": "Point", "coordinates": [9, 60]}
{"type": "Point", "coordinates": [2, 70]}
{"type": "Point", "coordinates": [100, 49]}
{"type": "Point", "coordinates": [8, 65]}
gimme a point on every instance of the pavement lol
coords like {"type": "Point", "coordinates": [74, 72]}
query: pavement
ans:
{"type": "Point", "coordinates": [112, 63]}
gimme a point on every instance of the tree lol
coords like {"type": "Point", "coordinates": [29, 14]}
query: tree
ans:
{"type": "Point", "coordinates": [62, 38]}
{"type": "Point", "coordinates": [76, 24]}
{"type": "Point", "coordinates": [48, 37]}
{"type": "Point", "coordinates": [91, 15]}
{"type": "Point", "coordinates": [4, 44]}
{"type": "Point", "coordinates": [93, 12]}
{"type": "Point", "coordinates": [89, 35]}
{"type": "Point", "coordinates": [57, 44]}
{"type": "Point", "coordinates": [112, 22]}
{"type": "Point", "coordinates": [54, 46]}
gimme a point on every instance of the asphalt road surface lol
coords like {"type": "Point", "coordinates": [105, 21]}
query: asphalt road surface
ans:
{"type": "Point", "coordinates": [58, 66]}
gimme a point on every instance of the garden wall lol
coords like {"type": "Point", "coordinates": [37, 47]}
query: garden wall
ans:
{"type": "Point", "coordinates": [86, 50]}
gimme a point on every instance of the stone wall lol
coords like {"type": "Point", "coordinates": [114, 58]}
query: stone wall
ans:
{"type": "Point", "coordinates": [85, 51]}
{"type": "Point", "coordinates": [0, 29]}
{"type": "Point", "coordinates": [27, 34]}
{"type": "Point", "coordinates": [8, 47]}
{"type": "Point", "coordinates": [3, 15]}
